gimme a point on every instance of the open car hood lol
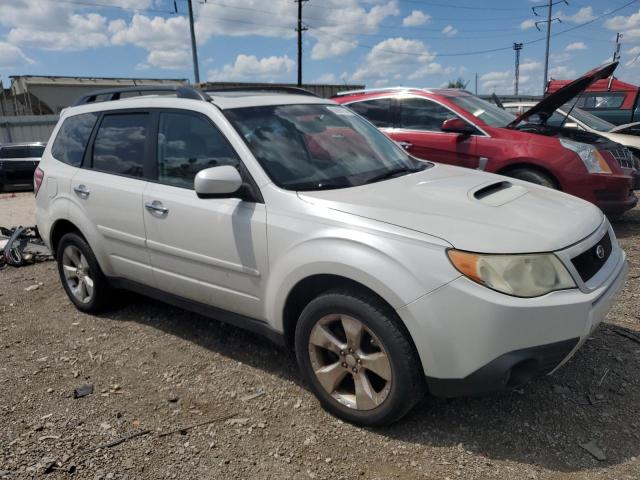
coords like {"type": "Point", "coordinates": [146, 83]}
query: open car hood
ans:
{"type": "Point", "coordinates": [551, 103]}
{"type": "Point", "coordinates": [617, 128]}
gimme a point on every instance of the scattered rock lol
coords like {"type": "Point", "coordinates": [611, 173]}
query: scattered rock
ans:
{"type": "Point", "coordinates": [593, 448]}
{"type": "Point", "coordinates": [237, 421]}
{"type": "Point", "coordinates": [31, 288]}
{"type": "Point", "coordinates": [83, 390]}
{"type": "Point", "coordinates": [251, 396]}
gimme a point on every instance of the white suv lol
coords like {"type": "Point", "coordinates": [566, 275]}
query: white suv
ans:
{"type": "Point", "coordinates": [289, 215]}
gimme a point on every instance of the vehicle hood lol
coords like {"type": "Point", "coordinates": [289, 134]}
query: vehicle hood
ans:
{"type": "Point", "coordinates": [469, 209]}
{"type": "Point", "coordinates": [551, 103]}
{"type": "Point", "coordinates": [618, 128]}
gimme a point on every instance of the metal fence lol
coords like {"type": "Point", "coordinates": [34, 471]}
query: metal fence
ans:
{"type": "Point", "coordinates": [27, 128]}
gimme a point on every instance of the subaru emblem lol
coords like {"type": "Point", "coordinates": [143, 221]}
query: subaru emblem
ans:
{"type": "Point", "coordinates": [600, 252]}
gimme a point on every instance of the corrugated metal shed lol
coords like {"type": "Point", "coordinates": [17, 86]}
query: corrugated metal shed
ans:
{"type": "Point", "coordinates": [322, 90]}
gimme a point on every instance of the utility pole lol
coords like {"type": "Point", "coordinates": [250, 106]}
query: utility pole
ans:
{"type": "Point", "coordinates": [476, 83]}
{"type": "Point", "coordinates": [616, 52]}
{"type": "Point", "coordinates": [194, 50]}
{"type": "Point", "coordinates": [300, 29]}
{"type": "Point", "coordinates": [516, 80]}
{"type": "Point", "coordinates": [548, 21]}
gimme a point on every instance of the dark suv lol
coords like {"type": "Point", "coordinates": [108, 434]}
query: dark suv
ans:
{"type": "Point", "coordinates": [18, 161]}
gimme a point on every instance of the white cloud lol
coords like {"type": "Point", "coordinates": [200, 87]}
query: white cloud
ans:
{"type": "Point", "coordinates": [585, 14]}
{"type": "Point", "coordinates": [248, 67]}
{"type": "Point", "coordinates": [622, 22]}
{"type": "Point", "coordinates": [529, 23]}
{"type": "Point", "coordinates": [449, 31]}
{"type": "Point", "coordinates": [11, 56]}
{"type": "Point", "coordinates": [493, 81]}
{"type": "Point", "coordinates": [52, 26]}
{"type": "Point", "coordinates": [529, 65]}
{"type": "Point", "coordinates": [394, 55]}
{"type": "Point", "coordinates": [326, 78]}
{"type": "Point", "coordinates": [562, 72]}
{"type": "Point", "coordinates": [165, 39]}
{"type": "Point", "coordinates": [416, 18]}
{"type": "Point", "coordinates": [575, 46]}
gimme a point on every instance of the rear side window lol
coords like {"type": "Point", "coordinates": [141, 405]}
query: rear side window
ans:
{"type": "Point", "coordinates": [602, 101]}
{"type": "Point", "coordinates": [72, 138]}
{"type": "Point", "coordinates": [119, 146]}
{"type": "Point", "coordinates": [188, 143]}
{"type": "Point", "coordinates": [422, 114]}
{"type": "Point", "coordinates": [376, 111]}
{"type": "Point", "coordinates": [21, 152]}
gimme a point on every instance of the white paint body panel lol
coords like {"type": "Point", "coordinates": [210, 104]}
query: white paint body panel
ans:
{"type": "Point", "coordinates": [390, 236]}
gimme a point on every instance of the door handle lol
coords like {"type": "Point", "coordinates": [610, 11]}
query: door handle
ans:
{"type": "Point", "coordinates": [405, 145]}
{"type": "Point", "coordinates": [82, 191]}
{"type": "Point", "coordinates": [156, 207]}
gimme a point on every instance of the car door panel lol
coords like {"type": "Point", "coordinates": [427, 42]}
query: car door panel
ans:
{"type": "Point", "coordinates": [108, 190]}
{"type": "Point", "coordinates": [212, 251]}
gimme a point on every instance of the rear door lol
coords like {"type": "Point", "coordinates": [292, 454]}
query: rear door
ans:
{"type": "Point", "coordinates": [213, 250]}
{"type": "Point", "coordinates": [108, 191]}
{"type": "Point", "coordinates": [419, 132]}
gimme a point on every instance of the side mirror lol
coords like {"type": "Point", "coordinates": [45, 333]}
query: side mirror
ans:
{"type": "Point", "coordinates": [457, 125]}
{"type": "Point", "coordinates": [220, 182]}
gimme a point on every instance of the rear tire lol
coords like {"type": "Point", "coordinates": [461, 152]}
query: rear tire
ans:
{"type": "Point", "coordinates": [533, 176]}
{"type": "Point", "coordinates": [81, 275]}
{"type": "Point", "coordinates": [357, 358]}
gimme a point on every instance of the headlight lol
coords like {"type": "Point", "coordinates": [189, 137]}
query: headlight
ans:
{"type": "Point", "coordinates": [530, 275]}
{"type": "Point", "coordinates": [591, 157]}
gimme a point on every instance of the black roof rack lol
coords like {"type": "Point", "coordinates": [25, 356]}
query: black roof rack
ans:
{"type": "Point", "coordinates": [181, 91]}
{"type": "Point", "coordinates": [264, 89]}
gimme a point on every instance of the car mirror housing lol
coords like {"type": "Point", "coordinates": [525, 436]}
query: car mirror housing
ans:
{"type": "Point", "coordinates": [218, 182]}
{"type": "Point", "coordinates": [457, 125]}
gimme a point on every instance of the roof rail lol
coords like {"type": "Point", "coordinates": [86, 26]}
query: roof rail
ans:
{"type": "Point", "coordinates": [265, 88]}
{"type": "Point", "coordinates": [374, 90]}
{"type": "Point", "coordinates": [181, 91]}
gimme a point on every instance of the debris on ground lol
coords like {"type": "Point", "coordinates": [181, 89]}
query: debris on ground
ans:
{"type": "Point", "coordinates": [83, 390]}
{"type": "Point", "coordinates": [593, 448]}
{"type": "Point", "coordinates": [184, 430]}
{"type": "Point", "coordinates": [22, 246]}
{"type": "Point", "coordinates": [251, 396]}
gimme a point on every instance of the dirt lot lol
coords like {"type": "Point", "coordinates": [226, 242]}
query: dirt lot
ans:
{"type": "Point", "coordinates": [160, 369]}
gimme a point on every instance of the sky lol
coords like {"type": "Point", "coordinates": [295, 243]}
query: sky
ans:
{"type": "Point", "coordinates": [378, 43]}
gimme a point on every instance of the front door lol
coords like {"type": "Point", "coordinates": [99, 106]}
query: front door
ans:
{"type": "Point", "coordinates": [213, 250]}
{"type": "Point", "coordinates": [419, 132]}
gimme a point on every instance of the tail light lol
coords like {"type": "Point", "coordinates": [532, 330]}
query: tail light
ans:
{"type": "Point", "coordinates": [38, 176]}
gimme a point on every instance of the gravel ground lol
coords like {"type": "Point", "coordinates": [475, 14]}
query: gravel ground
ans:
{"type": "Point", "coordinates": [158, 369]}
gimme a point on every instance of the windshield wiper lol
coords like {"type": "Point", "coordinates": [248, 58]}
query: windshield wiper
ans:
{"type": "Point", "coordinates": [395, 172]}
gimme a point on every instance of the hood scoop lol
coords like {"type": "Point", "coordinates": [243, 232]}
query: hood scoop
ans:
{"type": "Point", "coordinates": [497, 193]}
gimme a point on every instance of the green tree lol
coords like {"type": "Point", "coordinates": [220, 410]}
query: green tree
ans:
{"type": "Point", "coordinates": [459, 83]}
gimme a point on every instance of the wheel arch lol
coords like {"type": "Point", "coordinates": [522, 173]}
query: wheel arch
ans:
{"type": "Point", "coordinates": [530, 165]}
{"type": "Point", "coordinates": [60, 228]}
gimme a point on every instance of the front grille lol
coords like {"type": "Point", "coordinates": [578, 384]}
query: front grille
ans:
{"type": "Point", "coordinates": [624, 157]}
{"type": "Point", "coordinates": [588, 263]}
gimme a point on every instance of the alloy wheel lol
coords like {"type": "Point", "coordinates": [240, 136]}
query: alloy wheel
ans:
{"type": "Point", "coordinates": [77, 274]}
{"type": "Point", "coordinates": [350, 362]}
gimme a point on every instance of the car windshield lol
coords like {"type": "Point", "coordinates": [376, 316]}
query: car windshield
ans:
{"type": "Point", "coordinates": [588, 119]}
{"type": "Point", "coordinates": [319, 147]}
{"type": "Point", "coordinates": [488, 112]}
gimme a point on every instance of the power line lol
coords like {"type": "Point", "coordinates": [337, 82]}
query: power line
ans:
{"type": "Point", "coordinates": [548, 21]}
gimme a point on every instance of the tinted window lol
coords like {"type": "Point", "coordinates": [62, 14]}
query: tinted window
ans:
{"type": "Point", "coordinates": [421, 114]}
{"type": "Point", "coordinates": [72, 138]}
{"type": "Point", "coordinates": [188, 143]}
{"type": "Point", "coordinates": [119, 144]}
{"type": "Point", "coordinates": [377, 112]}
{"type": "Point", "coordinates": [21, 152]}
{"type": "Point", "coordinates": [601, 100]}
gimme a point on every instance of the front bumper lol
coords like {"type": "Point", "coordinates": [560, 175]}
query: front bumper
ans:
{"type": "Point", "coordinates": [472, 340]}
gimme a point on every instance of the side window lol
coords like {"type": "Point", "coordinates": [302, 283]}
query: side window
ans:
{"type": "Point", "coordinates": [72, 138]}
{"type": "Point", "coordinates": [422, 114]}
{"type": "Point", "coordinates": [377, 111]}
{"type": "Point", "coordinates": [601, 100]}
{"type": "Point", "coordinates": [15, 152]}
{"type": "Point", "coordinates": [119, 144]}
{"type": "Point", "coordinates": [188, 143]}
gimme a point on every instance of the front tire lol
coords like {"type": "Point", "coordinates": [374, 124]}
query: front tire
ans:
{"type": "Point", "coordinates": [533, 176]}
{"type": "Point", "coordinates": [357, 358]}
{"type": "Point", "coordinates": [81, 275]}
